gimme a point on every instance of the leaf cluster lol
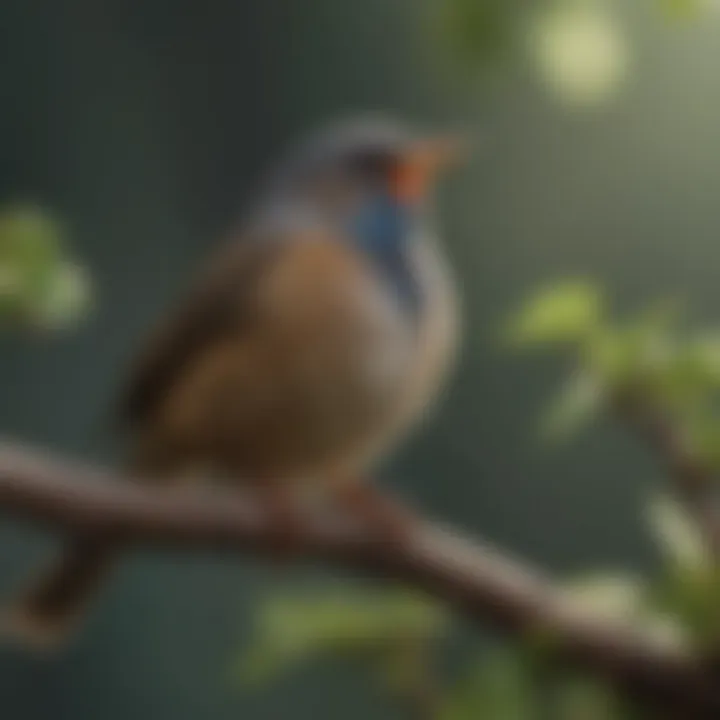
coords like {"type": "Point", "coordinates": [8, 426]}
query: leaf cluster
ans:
{"type": "Point", "coordinates": [40, 285]}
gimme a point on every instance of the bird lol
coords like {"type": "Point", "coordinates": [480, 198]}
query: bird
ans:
{"type": "Point", "coordinates": [316, 337]}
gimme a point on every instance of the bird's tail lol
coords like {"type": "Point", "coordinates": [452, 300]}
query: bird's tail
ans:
{"type": "Point", "coordinates": [51, 606]}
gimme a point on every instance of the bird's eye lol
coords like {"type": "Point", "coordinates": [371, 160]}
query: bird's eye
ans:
{"type": "Point", "coordinates": [371, 163]}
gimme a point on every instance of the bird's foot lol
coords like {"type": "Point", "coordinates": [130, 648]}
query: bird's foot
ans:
{"type": "Point", "coordinates": [377, 511]}
{"type": "Point", "coordinates": [285, 523]}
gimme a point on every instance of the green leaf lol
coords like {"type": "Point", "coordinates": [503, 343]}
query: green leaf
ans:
{"type": "Point", "coordinates": [678, 536]}
{"type": "Point", "coordinates": [296, 627]}
{"type": "Point", "coordinates": [11, 289]}
{"type": "Point", "coordinates": [641, 353]}
{"type": "Point", "coordinates": [650, 332]}
{"type": "Point", "coordinates": [688, 600]}
{"type": "Point", "coordinates": [683, 9]}
{"type": "Point", "coordinates": [565, 313]}
{"type": "Point", "coordinates": [38, 284]}
{"type": "Point", "coordinates": [607, 354]}
{"type": "Point", "coordinates": [704, 352]}
{"type": "Point", "coordinates": [695, 372]}
{"type": "Point", "coordinates": [700, 428]}
{"type": "Point", "coordinates": [578, 402]}
{"type": "Point", "coordinates": [66, 297]}
{"type": "Point", "coordinates": [499, 687]}
{"type": "Point", "coordinates": [476, 32]}
{"type": "Point", "coordinates": [404, 669]}
{"type": "Point", "coordinates": [30, 242]}
{"type": "Point", "coordinates": [586, 699]}
{"type": "Point", "coordinates": [688, 594]}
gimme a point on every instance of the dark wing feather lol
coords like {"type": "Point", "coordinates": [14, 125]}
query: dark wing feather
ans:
{"type": "Point", "coordinates": [219, 304]}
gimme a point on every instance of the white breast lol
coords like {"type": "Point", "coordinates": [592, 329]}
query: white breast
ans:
{"type": "Point", "coordinates": [416, 369]}
{"type": "Point", "coordinates": [438, 330]}
{"type": "Point", "coordinates": [414, 354]}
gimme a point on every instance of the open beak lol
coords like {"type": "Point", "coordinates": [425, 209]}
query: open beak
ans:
{"type": "Point", "coordinates": [416, 173]}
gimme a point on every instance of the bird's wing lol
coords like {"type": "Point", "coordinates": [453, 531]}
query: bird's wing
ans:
{"type": "Point", "coordinates": [218, 305]}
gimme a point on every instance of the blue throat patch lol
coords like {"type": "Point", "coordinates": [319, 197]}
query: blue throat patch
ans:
{"type": "Point", "coordinates": [383, 230]}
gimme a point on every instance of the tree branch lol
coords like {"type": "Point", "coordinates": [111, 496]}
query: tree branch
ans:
{"type": "Point", "coordinates": [473, 579]}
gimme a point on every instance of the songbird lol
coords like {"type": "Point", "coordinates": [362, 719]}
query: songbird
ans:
{"type": "Point", "coordinates": [313, 342]}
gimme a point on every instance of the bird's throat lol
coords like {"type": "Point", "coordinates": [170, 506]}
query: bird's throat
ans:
{"type": "Point", "coordinates": [384, 230]}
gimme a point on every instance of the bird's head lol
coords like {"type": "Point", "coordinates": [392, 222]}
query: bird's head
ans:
{"type": "Point", "coordinates": [348, 163]}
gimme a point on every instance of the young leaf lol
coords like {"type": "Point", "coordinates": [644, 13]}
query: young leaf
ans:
{"type": "Point", "coordinates": [37, 283]}
{"type": "Point", "coordinates": [499, 687]}
{"type": "Point", "coordinates": [585, 699]}
{"type": "Point", "coordinates": [296, 627]}
{"type": "Point", "coordinates": [566, 313]}
{"type": "Point", "coordinates": [476, 32]}
{"type": "Point", "coordinates": [698, 363]}
{"type": "Point", "coordinates": [678, 535]}
{"type": "Point", "coordinates": [578, 402]}
{"type": "Point", "coordinates": [66, 296]}
{"type": "Point", "coordinates": [683, 9]}
{"type": "Point", "coordinates": [641, 350]}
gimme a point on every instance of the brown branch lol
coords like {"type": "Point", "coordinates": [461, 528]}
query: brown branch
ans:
{"type": "Point", "coordinates": [473, 579]}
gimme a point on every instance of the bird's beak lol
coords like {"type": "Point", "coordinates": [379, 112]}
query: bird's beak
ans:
{"type": "Point", "coordinates": [418, 169]}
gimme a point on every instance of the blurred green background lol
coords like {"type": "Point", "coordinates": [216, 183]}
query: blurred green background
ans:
{"type": "Point", "coordinates": [145, 126]}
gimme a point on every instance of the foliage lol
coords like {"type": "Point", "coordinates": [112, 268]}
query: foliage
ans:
{"type": "Point", "coordinates": [500, 687]}
{"type": "Point", "coordinates": [672, 374]}
{"type": "Point", "coordinates": [478, 32]}
{"type": "Point", "coordinates": [294, 627]}
{"type": "Point", "coordinates": [689, 591]}
{"type": "Point", "coordinates": [563, 314]}
{"type": "Point", "coordinates": [394, 634]}
{"type": "Point", "coordinates": [684, 9]}
{"type": "Point", "coordinates": [39, 285]}
{"type": "Point", "coordinates": [671, 371]}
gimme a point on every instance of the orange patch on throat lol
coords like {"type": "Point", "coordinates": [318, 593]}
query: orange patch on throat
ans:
{"type": "Point", "coordinates": [410, 181]}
